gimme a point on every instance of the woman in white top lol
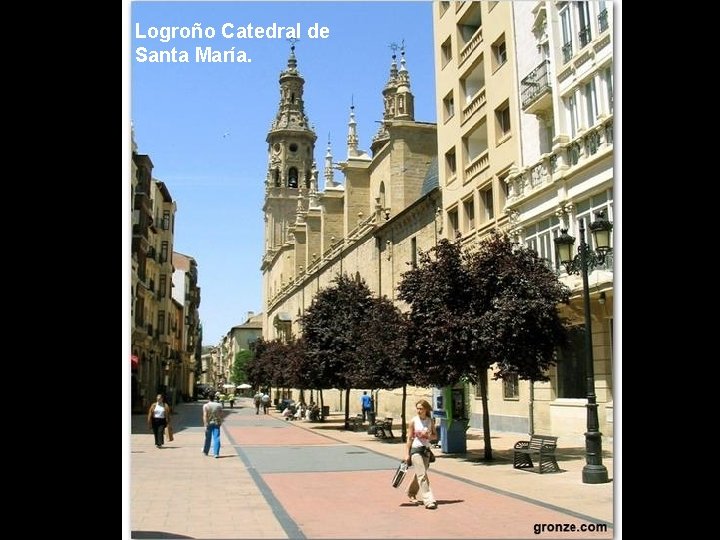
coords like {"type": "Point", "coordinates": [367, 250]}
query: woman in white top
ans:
{"type": "Point", "coordinates": [158, 418]}
{"type": "Point", "coordinates": [421, 430]}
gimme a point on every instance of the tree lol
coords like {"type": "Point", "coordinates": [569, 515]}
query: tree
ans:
{"type": "Point", "coordinates": [333, 329]}
{"type": "Point", "coordinates": [382, 356]}
{"type": "Point", "coordinates": [239, 368]}
{"type": "Point", "coordinates": [497, 305]}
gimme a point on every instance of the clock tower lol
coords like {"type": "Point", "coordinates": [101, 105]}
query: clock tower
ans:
{"type": "Point", "coordinates": [291, 178]}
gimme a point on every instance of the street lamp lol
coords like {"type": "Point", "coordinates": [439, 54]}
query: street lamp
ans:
{"type": "Point", "coordinates": [594, 472]}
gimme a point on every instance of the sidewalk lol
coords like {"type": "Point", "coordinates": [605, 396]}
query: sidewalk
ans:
{"type": "Point", "coordinates": [562, 490]}
{"type": "Point", "coordinates": [278, 479]}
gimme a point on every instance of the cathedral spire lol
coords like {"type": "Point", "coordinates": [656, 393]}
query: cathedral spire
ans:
{"type": "Point", "coordinates": [404, 99]}
{"type": "Point", "coordinates": [329, 173]}
{"type": "Point", "coordinates": [352, 138]}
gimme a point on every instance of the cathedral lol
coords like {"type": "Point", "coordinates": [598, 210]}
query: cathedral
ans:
{"type": "Point", "coordinates": [369, 225]}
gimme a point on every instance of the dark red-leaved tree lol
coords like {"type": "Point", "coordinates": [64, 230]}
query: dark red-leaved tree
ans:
{"type": "Point", "coordinates": [497, 305]}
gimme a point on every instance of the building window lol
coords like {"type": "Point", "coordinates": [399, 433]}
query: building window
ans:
{"type": "Point", "coordinates": [162, 288]}
{"type": "Point", "coordinates": [469, 213]}
{"type": "Point", "coordinates": [476, 143]}
{"type": "Point", "coordinates": [499, 51]}
{"type": "Point", "coordinates": [491, 6]}
{"type": "Point", "coordinates": [468, 26]}
{"type": "Point", "coordinates": [473, 82]}
{"type": "Point", "coordinates": [511, 386]}
{"type": "Point", "coordinates": [540, 238]}
{"type": "Point", "coordinates": [164, 248]}
{"type": "Point", "coordinates": [161, 322]}
{"type": "Point", "coordinates": [450, 163]}
{"type": "Point", "coordinates": [502, 120]}
{"type": "Point", "coordinates": [572, 115]}
{"type": "Point", "coordinates": [566, 27]}
{"type": "Point", "coordinates": [446, 52]}
{"type": "Point", "coordinates": [608, 78]}
{"type": "Point", "coordinates": [591, 104]}
{"type": "Point", "coordinates": [448, 107]}
{"type": "Point", "coordinates": [166, 220]}
{"type": "Point", "coordinates": [478, 387]}
{"type": "Point", "coordinates": [586, 210]}
{"type": "Point", "coordinates": [602, 16]}
{"type": "Point", "coordinates": [453, 222]}
{"type": "Point", "coordinates": [585, 34]}
{"type": "Point", "coordinates": [488, 204]}
{"type": "Point", "coordinates": [571, 370]}
{"type": "Point", "coordinates": [444, 7]}
{"type": "Point", "coordinates": [413, 252]}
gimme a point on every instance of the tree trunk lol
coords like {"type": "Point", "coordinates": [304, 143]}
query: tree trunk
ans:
{"type": "Point", "coordinates": [347, 408]}
{"type": "Point", "coordinates": [486, 416]}
{"type": "Point", "coordinates": [402, 414]}
{"type": "Point", "coordinates": [320, 397]}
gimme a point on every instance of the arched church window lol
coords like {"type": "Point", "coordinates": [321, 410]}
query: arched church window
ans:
{"type": "Point", "coordinates": [276, 177]}
{"type": "Point", "coordinates": [293, 177]}
{"type": "Point", "coordinates": [382, 195]}
{"type": "Point", "coordinates": [308, 176]}
{"type": "Point", "coordinates": [292, 97]}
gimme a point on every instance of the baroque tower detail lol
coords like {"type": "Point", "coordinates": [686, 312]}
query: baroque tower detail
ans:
{"type": "Point", "coordinates": [291, 146]}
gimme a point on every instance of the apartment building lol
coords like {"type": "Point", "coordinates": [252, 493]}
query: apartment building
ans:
{"type": "Point", "coordinates": [525, 127]}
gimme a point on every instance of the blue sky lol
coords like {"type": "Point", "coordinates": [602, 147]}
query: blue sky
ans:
{"type": "Point", "coordinates": [204, 125]}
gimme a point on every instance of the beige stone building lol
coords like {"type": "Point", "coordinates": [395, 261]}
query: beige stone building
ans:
{"type": "Point", "coordinates": [160, 334]}
{"type": "Point", "coordinates": [369, 226]}
{"type": "Point", "coordinates": [240, 337]}
{"type": "Point", "coordinates": [525, 145]}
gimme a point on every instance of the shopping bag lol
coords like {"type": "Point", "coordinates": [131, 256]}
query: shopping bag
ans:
{"type": "Point", "coordinates": [399, 475]}
{"type": "Point", "coordinates": [170, 433]}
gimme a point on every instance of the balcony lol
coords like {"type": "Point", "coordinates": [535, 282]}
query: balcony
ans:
{"type": "Point", "coordinates": [477, 165]}
{"type": "Point", "coordinates": [536, 91]}
{"type": "Point", "coordinates": [471, 45]}
{"type": "Point", "coordinates": [585, 36]}
{"type": "Point", "coordinates": [603, 20]}
{"type": "Point", "coordinates": [476, 103]}
{"type": "Point", "coordinates": [580, 151]}
{"type": "Point", "coordinates": [567, 51]}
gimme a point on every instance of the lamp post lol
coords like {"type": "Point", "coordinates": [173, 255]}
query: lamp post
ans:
{"type": "Point", "coordinates": [594, 472]}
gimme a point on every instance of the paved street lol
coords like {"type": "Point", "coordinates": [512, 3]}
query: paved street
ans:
{"type": "Point", "coordinates": [278, 479]}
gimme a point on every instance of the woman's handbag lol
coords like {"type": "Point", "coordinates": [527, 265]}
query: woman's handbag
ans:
{"type": "Point", "coordinates": [399, 475]}
{"type": "Point", "coordinates": [431, 456]}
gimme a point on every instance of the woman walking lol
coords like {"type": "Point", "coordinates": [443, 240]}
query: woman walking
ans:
{"type": "Point", "coordinates": [421, 430]}
{"type": "Point", "coordinates": [158, 418]}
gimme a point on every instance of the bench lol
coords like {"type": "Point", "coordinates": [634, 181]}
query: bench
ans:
{"type": "Point", "coordinates": [382, 428]}
{"type": "Point", "coordinates": [356, 422]}
{"type": "Point", "coordinates": [541, 446]}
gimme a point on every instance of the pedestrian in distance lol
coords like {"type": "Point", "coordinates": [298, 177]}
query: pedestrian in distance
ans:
{"type": "Point", "coordinates": [159, 417]}
{"type": "Point", "coordinates": [213, 414]}
{"type": "Point", "coordinates": [421, 430]}
{"type": "Point", "coordinates": [366, 405]}
{"type": "Point", "coordinates": [265, 402]}
{"type": "Point", "coordinates": [258, 401]}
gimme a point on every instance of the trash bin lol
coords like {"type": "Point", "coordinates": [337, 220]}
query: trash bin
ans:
{"type": "Point", "coordinates": [325, 411]}
{"type": "Point", "coordinates": [371, 417]}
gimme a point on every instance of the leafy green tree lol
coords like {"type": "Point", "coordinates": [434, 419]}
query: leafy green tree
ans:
{"type": "Point", "coordinates": [239, 369]}
{"type": "Point", "coordinates": [496, 305]}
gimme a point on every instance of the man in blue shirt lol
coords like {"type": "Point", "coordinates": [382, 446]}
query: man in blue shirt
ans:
{"type": "Point", "coordinates": [366, 402]}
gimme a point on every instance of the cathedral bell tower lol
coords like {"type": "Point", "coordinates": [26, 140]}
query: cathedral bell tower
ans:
{"type": "Point", "coordinates": [291, 146]}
